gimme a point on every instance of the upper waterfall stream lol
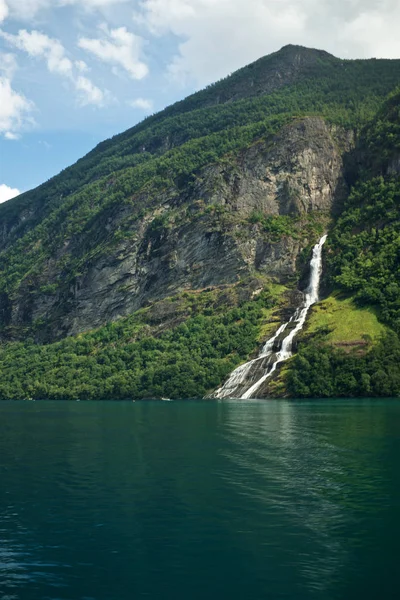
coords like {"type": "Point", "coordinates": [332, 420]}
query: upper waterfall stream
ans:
{"type": "Point", "coordinates": [248, 378]}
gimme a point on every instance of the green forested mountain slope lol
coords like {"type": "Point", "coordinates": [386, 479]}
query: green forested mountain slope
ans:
{"type": "Point", "coordinates": [221, 195]}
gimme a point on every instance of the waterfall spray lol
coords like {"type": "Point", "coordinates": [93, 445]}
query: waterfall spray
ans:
{"type": "Point", "coordinates": [242, 382]}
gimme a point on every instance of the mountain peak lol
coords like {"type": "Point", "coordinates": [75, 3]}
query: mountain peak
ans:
{"type": "Point", "coordinates": [303, 49]}
{"type": "Point", "coordinates": [270, 73]}
{"type": "Point", "coordinates": [302, 54]}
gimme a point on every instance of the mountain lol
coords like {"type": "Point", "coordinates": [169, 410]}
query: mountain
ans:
{"type": "Point", "coordinates": [167, 255]}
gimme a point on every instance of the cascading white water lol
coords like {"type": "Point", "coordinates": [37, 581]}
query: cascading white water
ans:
{"type": "Point", "coordinates": [240, 376]}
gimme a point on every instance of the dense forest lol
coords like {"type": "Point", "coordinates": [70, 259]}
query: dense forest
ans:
{"type": "Point", "coordinates": [132, 358]}
{"type": "Point", "coordinates": [144, 185]}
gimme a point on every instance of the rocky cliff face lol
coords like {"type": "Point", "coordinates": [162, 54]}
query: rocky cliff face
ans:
{"type": "Point", "coordinates": [205, 237]}
{"type": "Point", "coordinates": [299, 171]}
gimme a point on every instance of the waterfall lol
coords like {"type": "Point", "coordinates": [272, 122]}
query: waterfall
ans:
{"type": "Point", "coordinates": [248, 378]}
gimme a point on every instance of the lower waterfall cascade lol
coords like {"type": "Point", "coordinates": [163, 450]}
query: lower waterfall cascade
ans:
{"type": "Point", "coordinates": [248, 378]}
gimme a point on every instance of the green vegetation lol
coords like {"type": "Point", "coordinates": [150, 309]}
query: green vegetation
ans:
{"type": "Point", "coordinates": [127, 359]}
{"type": "Point", "coordinates": [321, 371]}
{"type": "Point", "coordinates": [294, 226]}
{"type": "Point", "coordinates": [270, 314]}
{"type": "Point", "coordinates": [381, 139]}
{"type": "Point", "coordinates": [344, 322]}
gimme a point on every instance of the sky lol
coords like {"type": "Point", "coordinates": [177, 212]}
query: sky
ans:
{"type": "Point", "coordinates": [75, 72]}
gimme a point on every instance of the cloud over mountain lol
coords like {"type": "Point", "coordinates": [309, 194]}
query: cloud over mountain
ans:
{"type": "Point", "coordinates": [6, 193]}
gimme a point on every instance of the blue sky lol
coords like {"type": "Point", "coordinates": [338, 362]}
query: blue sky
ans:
{"type": "Point", "coordinates": [74, 72]}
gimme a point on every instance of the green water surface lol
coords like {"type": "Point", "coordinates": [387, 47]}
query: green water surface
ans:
{"type": "Point", "coordinates": [200, 500]}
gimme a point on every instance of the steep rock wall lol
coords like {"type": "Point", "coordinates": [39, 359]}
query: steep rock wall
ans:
{"type": "Point", "coordinates": [194, 237]}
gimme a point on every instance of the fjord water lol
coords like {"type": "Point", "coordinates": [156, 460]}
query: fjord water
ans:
{"type": "Point", "coordinates": [257, 500]}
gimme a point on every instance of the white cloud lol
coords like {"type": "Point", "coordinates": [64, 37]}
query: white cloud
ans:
{"type": "Point", "coordinates": [9, 135]}
{"type": "Point", "coordinates": [26, 9]}
{"type": "Point", "coordinates": [375, 33]}
{"type": "Point", "coordinates": [6, 193]}
{"type": "Point", "coordinates": [90, 94]}
{"type": "Point", "coordinates": [219, 36]}
{"type": "Point", "coordinates": [120, 48]}
{"type": "Point", "coordinates": [142, 104]}
{"type": "Point", "coordinates": [15, 109]}
{"type": "Point", "coordinates": [39, 45]}
{"type": "Point", "coordinates": [8, 64]}
{"type": "Point", "coordinates": [3, 10]}
{"type": "Point", "coordinates": [81, 66]}
{"type": "Point", "coordinates": [93, 3]}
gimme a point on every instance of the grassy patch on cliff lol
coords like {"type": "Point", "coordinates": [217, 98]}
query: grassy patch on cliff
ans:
{"type": "Point", "coordinates": [344, 321]}
{"type": "Point", "coordinates": [295, 226]}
